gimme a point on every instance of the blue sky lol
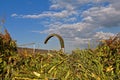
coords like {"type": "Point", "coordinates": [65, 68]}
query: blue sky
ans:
{"type": "Point", "coordinates": [77, 21]}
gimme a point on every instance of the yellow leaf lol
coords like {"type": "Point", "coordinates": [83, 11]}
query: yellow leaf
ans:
{"type": "Point", "coordinates": [108, 69]}
{"type": "Point", "coordinates": [36, 74]}
{"type": "Point", "coordinates": [0, 60]}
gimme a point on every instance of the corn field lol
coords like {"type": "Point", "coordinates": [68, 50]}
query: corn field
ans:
{"type": "Point", "coordinates": [100, 63]}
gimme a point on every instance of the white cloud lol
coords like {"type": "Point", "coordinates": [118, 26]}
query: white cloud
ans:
{"type": "Point", "coordinates": [62, 14]}
{"type": "Point", "coordinates": [104, 16]}
{"type": "Point", "coordinates": [14, 15]}
{"type": "Point", "coordinates": [103, 35]}
{"type": "Point", "coordinates": [71, 4]}
{"type": "Point", "coordinates": [54, 7]}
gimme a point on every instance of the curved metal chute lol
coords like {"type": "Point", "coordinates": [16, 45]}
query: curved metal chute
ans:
{"type": "Point", "coordinates": [59, 37]}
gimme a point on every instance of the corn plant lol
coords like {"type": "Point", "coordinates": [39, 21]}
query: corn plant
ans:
{"type": "Point", "coordinates": [101, 63]}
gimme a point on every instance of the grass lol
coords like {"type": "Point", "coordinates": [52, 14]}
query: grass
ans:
{"type": "Point", "coordinates": [101, 63]}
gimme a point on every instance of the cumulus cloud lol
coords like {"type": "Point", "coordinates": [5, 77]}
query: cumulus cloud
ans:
{"type": "Point", "coordinates": [71, 4]}
{"type": "Point", "coordinates": [104, 16]}
{"type": "Point", "coordinates": [103, 35]}
{"type": "Point", "coordinates": [79, 21]}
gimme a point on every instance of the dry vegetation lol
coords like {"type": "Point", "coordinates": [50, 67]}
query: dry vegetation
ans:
{"type": "Point", "coordinates": [102, 63]}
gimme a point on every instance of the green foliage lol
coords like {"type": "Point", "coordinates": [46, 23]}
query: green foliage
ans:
{"type": "Point", "coordinates": [101, 63]}
{"type": "Point", "coordinates": [80, 65]}
{"type": "Point", "coordinates": [7, 56]}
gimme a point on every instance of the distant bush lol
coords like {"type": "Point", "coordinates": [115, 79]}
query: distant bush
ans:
{"type": "Point", "coordinates": [8, 50]}
{"type": "Point", "coordinates": [113, 43]}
